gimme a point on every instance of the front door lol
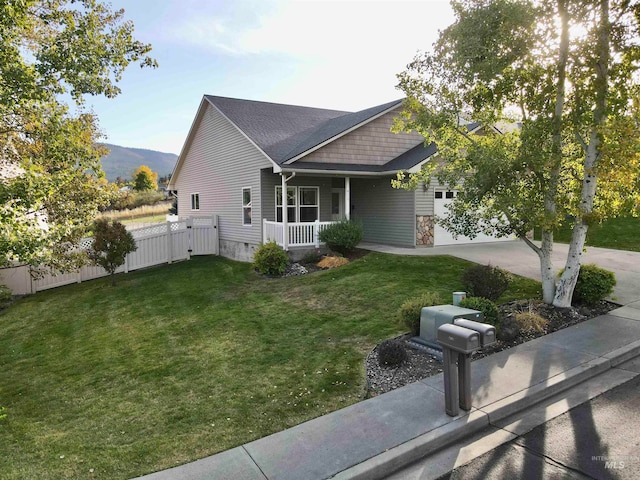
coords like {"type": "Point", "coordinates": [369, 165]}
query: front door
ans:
{"type": "Point", "coordinates": [337, 204]}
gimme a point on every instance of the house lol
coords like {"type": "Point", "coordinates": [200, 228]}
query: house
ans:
{"type": "Point", "coordinates": [243, 160]}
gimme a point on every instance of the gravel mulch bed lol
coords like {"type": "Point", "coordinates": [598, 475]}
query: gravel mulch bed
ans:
{"type": "Point", "coordinates": [420, 364]}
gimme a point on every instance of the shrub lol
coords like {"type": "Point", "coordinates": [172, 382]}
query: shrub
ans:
{"type": "Point", "coordinates": [486, 281]}
{"type": "Point", "coordinates": [111, 245]}
{"type": "Point", "coordinates": [488, 308]}
{"type": "Point", "coordinates": [410, 310]}
{"type": "Point", "coordinates": [313, 256]}
{"type": "Point", "coordinates": [342, 236]}
{"type": "Point", "coordinates": [594, 283]}
{"type": "Point", "coordinates": [5, 295]}
{"type": "Point", "coordinates": [270, 259]}
{"type": "Point", "coordinates": [392, 352]}
{"type": "Point", "coordinates": [529, 322]}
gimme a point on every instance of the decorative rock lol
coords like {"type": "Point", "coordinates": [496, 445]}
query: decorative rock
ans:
{"type": "Point", "coordinates": [294, 270]}
{"type": "Point", "coordinates": [424, 230]}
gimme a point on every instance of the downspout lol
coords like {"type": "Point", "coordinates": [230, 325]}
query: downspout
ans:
{"type": "Point", "coordinates": [347, 197]}
{"type": "Point", "coordinates": [285, 210]}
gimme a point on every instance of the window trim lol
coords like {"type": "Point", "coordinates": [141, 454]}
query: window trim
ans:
{"type": "Point", "coordinates": [248, 206]}
{"type": "Point", "coordinates": [316, 205]}
{"type": "Point", "coordinates": [297, 205]}
{"type": "Point", "coordinates": [195, 201]}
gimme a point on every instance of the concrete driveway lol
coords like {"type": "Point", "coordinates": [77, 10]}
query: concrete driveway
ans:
{"type": "Point", "coordinates": [516, 257]}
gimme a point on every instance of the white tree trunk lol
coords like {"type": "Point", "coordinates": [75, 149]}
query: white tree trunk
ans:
{"type": "Point", "coordinates": [546, 267]}
{"type": "Point", "coordinates": [545, 254]}
{"type": "Point", "coordinates": [568, 280]}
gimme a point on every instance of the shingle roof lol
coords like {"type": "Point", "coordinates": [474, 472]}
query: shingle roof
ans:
{"type": "Point", "coordinates": [286, 131]}
{"type": "Point", "coordinates": [272, 125]}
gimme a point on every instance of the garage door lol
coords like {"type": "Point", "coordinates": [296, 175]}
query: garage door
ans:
{"type": "Point", "coordinates": [441, 236]}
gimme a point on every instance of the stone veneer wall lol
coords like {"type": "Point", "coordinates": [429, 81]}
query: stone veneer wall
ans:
{"type": "Point", "coordinates": [424, 230]}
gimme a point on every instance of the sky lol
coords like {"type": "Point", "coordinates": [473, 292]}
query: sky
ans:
{"type": "Point", "coordinates": [341, 55]}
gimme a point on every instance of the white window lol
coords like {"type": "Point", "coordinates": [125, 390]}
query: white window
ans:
{"type": "Point", "coordinates": [195, 201]}
{"type": "Point", "coordinates": [309, 204]}
{"type": "Point", "coordinates": [303, 204]}
{"type": "Point", "coordinates": [246, 206]}
{"type": "Point", "coordinates": [292, 202]}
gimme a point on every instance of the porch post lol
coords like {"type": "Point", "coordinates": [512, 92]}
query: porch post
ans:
{"type": "Point", "coordinates": [347, 198]}
{"type": "Point", "coordinates": [285, 214]}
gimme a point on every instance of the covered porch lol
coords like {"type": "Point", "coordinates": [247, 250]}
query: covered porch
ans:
{"type": "Point", "coordinates": [311, 203]}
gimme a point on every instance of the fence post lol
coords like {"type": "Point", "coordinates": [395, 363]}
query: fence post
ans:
{"type": "Point", "coordinates": [189, 237]}
{"type": "Point", "coordinates": [264, 230]}
{"type": "Point", "coordinates": [216, 241]}
{"type": "Point", "coordinates": [126, 263]}
{"type": "Point", "coordinates": [316, 232]}
{"type": "Point", "coordinates": [169, 243]}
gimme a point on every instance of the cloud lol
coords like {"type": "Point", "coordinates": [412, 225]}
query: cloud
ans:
{"type": "Point", "coordinates": [310, 30]}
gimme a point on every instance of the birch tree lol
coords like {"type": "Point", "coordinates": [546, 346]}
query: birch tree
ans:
{"type": "Point", "coordinates": [564, 72]}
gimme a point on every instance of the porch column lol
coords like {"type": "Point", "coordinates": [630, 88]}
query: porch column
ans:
{"type": "Point", "coordinates": [347, 198]}
{"type": "Point", "coordinates": [285, 212]}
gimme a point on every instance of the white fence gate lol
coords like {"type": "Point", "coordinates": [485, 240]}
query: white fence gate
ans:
{"type": "Point", "coordinates": [162, 243]}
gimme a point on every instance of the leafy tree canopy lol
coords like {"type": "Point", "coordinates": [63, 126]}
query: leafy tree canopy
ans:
{"type": "Point", "coordinates": [145, 179]}
{"type": "Point", "coordinates": [53, 54]}
{"type": "Point", "coordinates": [555, 83]}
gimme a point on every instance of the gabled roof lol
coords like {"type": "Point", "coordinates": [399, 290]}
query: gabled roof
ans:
{"type": "Point", "coordinates": [285, 132]}
{"type": "Point", "coordinates": [271, 126]}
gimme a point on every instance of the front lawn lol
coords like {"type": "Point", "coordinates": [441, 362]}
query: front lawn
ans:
{"type": "Point", "coordinates": [618, 233]}
{"type": "Point", "coordinates": [179, 362]}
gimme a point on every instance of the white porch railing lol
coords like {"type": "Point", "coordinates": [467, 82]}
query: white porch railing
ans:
{"type": "Point", "coordinates": [304, 234]}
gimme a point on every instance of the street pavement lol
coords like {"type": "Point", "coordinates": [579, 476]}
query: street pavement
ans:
{"type": "Point", "coordinates": [597, 439]}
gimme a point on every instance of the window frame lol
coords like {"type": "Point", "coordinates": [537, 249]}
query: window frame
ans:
{"type": "Point", "coordinates": [294, 205]}
{"type": "Point", "coordinates": [195, 201]}
{"type": "Point", "coordinates": [315, 206]}
{"type": "Point", "coordinates": [297, 202]}
{"type": "Point", "coordinates": [247, 207]}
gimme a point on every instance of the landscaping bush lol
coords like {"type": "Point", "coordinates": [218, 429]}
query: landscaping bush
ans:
{"type": "Point", "coordinates": [410, 310]}
{"type": "Point", "coordinates": [5, 295]}
{"type": "Point", "coordinates": [392, 353]}
{"type": "Point", "coordinates": [488, 308]}
{"type": "Point", "coordinates": [486, 281]}
{"type": "Point", "coordinates": [594, 283]}
{"type": "Point", "coordinates": [529, 322]}
{"type": "Point", "coordinates": [111, 245]}
{"type": "Point", "coordinates": [343, 236]}
{"type": "Point", "coordinates": [312, 257]}
{"type": "Point", "coordinates": [270, 259]}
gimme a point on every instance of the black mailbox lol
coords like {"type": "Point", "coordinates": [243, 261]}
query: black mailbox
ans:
{"type": "Point", "coordinates": [458, 338]}
{"type": "Point", "coordinates": [487, 332]}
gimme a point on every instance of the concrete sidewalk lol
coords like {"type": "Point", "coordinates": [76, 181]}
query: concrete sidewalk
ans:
{"type": "Point", "coordinates": [516, 257]}
{"type": "Point", "coordinates": [376, 437]}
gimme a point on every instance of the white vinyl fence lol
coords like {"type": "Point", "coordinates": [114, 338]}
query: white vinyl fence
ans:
{"type": "Point", "coordinates": [161, 243]}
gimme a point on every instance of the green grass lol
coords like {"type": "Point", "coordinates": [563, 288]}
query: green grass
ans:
{"type": "Point", "coordinates": [180, 362]}
{"type": "Point", "coordinates": [618, 233]}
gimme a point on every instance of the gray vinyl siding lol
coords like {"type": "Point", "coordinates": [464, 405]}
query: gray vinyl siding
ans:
{"type": "Point", "coordinates": [218, 163]}
{"type": "Point", "coordinates": [424, 197]}
{"type": "Point", "coordinates": [388, 214]}
{"type": "Point", "coordinates": [270, 181]}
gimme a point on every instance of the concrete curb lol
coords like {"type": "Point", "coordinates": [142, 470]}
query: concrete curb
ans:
{"type": "Point", "coordinates": [395, 459]}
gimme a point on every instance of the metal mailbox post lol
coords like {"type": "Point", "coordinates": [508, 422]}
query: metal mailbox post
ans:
{"type": "Point", "coordinates": [457, 343]}
{"type": "Point", "coordinates": [459, 340]}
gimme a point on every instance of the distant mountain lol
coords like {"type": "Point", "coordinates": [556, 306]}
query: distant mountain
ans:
{"type": "Point", "coordinates": [122, 161]}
